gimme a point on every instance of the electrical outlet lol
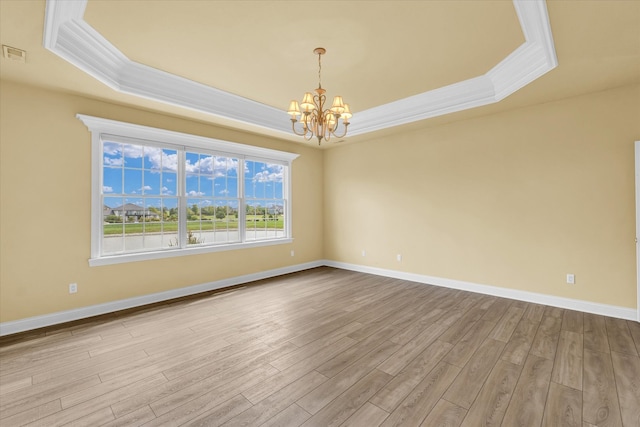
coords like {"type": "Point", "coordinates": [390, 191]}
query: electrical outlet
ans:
{"type": "Point", "coordinates": [364, 253]}
{"type": "Point", "coordinates": [399, 257]}
{"type": "Point", "coordinates": [571, 279]}
{"type": "Point", "coordinates": [293, 253]}
{"type": "Point", "coordinates": [73, 288]}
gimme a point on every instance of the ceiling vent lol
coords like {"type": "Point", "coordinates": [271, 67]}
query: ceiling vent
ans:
{"type": "Point", "coordinates": [14, 54]}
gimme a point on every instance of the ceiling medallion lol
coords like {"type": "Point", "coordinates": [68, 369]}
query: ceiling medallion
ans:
{"type": "Point", "coordinates": [316, 121]}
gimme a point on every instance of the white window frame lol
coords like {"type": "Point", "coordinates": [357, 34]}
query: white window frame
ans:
{"type": "Point", "coordinates": [102, 129]}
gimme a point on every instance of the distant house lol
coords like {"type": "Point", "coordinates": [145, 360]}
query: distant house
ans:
{"type": "Point", "coordinates": [275, 210]}
{"type": "Point", "coordinates": [129, 210]}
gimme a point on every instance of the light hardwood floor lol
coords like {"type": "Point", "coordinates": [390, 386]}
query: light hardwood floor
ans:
{"type": "Point", "coordinates": [327, 347]}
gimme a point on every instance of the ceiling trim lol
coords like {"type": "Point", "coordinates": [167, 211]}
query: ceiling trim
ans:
{"type": "Point", "coordinates": [67, 35]}
{"type": "Point", "coordinates": [114, 127]}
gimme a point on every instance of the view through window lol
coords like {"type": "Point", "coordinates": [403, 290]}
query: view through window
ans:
{"type": "Point", "coordinates": [155, 196]}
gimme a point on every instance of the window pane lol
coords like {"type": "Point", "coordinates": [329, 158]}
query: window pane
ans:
{"type": "Point", "coordinates": [206, 185]}
{"type": "Point", "coordinates": [170, 222]}
{"type": "Point", "coordinates": [221, 187]}
{"type": "Point", "coordinates": [226, 221]}
{"type": "Point", "coordinates": [132, 181]}
{"type": "Point", "coordinates": [193, 184]}
{"type": "Point", "coordinates": [265, 201]}
{"type": "Point", "coordinates": [191, 163]}
{"type": "Point", "coordinates": [194, 235]}
{"type": "Point", "coordinates": [152, 225]}
{"type": "Point", "coordinates": [112, 180]}
{"type": "Point", "coordinates": [152, 158]}
{"type": "Point", "coordinates": [193, 209]}
{"type": "Point", "coordinates": [232, 187]}
{"type": "Point", "coordinates": [169, 183]}
{"type": "Point", "coordinates": [132, 156]}
{"type": "Point", "coordinates": [268, 190]}
{"type": "Point", "coordinates": [169, 160]}
{"type": "Point", "coordinates": [205, 164]}
{"type": "Point", "coordinates": [265, 219]}
{"type": "Point", "coordinates": [249, 167]}
{"type": "Point", "coordinates": [232, 167]}
{"type": "Point", "coordinates": [258, 188]}
{"type": "Point", "coordinates": [112, 228]}
{"type": "Point", "coordinates": [263, 180]}
{"type": "Point", "coordinates": [131, 211]}
{"type": "Point", "coordinates": [112, 154]}
{"type": "Point", "coordinates": [151, 183]}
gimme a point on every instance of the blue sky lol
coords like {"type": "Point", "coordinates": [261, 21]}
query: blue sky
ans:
{"type": "Point", "coordinates": [130, 171]}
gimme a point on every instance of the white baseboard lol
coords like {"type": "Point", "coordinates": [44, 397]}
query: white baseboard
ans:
{"type": "Point", "coordinates": [8, 328]}
{"type": "Point", "coordinates": [30, 323]}
{"type": "Point", "coordinates": [568, 303]}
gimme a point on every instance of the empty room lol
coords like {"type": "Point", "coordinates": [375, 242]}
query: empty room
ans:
{"type": "Point", "coordinates": [327, 213]}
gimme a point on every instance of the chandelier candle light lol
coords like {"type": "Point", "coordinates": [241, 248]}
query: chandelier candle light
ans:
{"type": "Point", "coordinates": [316, 121]}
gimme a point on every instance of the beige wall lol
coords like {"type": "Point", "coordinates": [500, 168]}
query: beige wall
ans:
{"type": "Point", "coordinates": [516, 200]}
{"type": "Point", "coordinates": [45, 209]}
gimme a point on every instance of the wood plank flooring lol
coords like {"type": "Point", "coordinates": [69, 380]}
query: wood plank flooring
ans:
{"type": "Point", "coordinates": [327, 347]}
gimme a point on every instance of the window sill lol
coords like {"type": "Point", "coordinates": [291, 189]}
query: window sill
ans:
{"type": "Point", "coordinates": [145, 256]}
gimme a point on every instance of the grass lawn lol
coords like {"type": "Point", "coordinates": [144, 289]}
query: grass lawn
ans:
{"type": "Point", "coordinates": [254, 222]}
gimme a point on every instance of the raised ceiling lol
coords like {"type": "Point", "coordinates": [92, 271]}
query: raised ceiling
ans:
{"type": "Point", "coordinates": [378, 51]}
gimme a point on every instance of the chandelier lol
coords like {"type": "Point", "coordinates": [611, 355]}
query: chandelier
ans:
{"type": "Point", "coordinates": [315, 120]}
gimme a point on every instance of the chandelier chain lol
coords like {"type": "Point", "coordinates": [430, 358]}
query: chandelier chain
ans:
{"type": "Point", "coordinates": [319, 70]}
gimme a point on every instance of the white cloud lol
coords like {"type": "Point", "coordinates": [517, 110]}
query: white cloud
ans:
{"type": "Point", "coordinates": [160, 160]}
{"type": "Point", "coordinates": [165, 190]}
{"type": "Point", "coordinates": [112, 162]}
{"type": "Point", "coordinates": [270, 173]}
{"type": "Point", "coordinates": [268, 176]}
{"type": "Point", "coordinates": [195, 193]}
{"type": "Point", "coordinates": [212, 165]}
{"type": "Point", "coordinates": [223, 192]}
{"type": "Point", "coordinates": [107, 189]}
{"type": "Point", "coordinates": [112, 148]}
{"type": "Point", "coordinates": [146, 188]}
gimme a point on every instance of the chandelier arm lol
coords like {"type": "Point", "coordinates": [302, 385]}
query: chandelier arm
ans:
{"type": "Point", "coordinates": [308, 136]}
{"type": "Point", "coordinates": [310, 129]}
{"type": "Point", "coordinates": [344, 133]}
{"type": "Point", "coordinates": [293, 127]}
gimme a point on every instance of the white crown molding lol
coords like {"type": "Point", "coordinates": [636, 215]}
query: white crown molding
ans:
{"type": "Point", "coordinates": [100, 125]}
{"type": "Point", "coordinates": [67, 35]}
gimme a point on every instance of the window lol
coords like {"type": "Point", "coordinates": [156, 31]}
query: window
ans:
{"type": "Point", "coordinates": [157, 194]}
{"type": "Point", "coordinates": [264, 200]}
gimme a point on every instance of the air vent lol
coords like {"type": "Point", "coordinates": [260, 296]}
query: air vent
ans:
{"type": "Point", "coordinates": [14, 54]}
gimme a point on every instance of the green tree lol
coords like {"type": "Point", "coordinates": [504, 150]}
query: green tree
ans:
{"type": "Point", "coordinates": [208, 210]}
